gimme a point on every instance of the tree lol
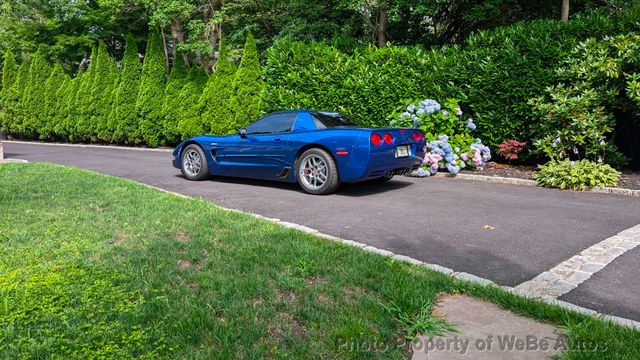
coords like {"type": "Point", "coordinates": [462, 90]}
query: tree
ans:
{"type": "Point", "coordinates": [151, 95]}
{"type": "Point", "coordinates": [177, 80]}
{"type": "Point", "coordinates": [52, 99]}
{"type": "Point", "coordinates": [80, 124]}
{"type": "Point", "coordinates": [64, 123]}
{"type": "Point", "coordinates": [123, 118]}
{"type": "Point", "coordinates": [191, 123]}
{"type": "Point", "coordinates": [9, 92]}
{"type": "Point", "coordinates": [565, 10]}
{"type": "Point", "coordinates": [22, 80]}
{"type": "Point", "coordinates": [33, 104]}
{"type": "Point", "coordinates": [105, 77]}
{"type": "Point", "coordinates": [216, 101]}
{"type": "Point", "coordinates": [248, 85]}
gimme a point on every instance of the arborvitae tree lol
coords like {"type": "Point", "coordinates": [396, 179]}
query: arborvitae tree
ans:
{"type": "Point", "coordinates": [151, 95]}
{"type": "Point", "coordinates": [9, 92]}
{"type": "Point", "coordinates": [124, 119]}
{"type": "Point", "coordinates": [52, 101]}
{"type": "Point", "coordinates": [33, 105]}
{"type": "Point", "coordinates": [98, 106]}
{"type": "Point", "coordinates": [178, 78]}
{"type": "Point", "coordinates": [22, 80]}
{"type": "Point", "coordinates": [103, 85]}
{"type": "Point", "coordinates": [248, 86]}
{"type": "Point", "coordinates": [60, 112]}
{"type": "Point", "coordinates": [191, 123]}
{"type": "Point", "coordinates": [79, 129]}
{"type": "Point", "coordinates": [66, 117]}
{"type": "Point", "coordinates": [216, 100]}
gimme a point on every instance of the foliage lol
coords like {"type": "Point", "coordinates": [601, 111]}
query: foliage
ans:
{"type": "Point", "coordinates": [510, 149]}
{"type": "Point", "coordinates": [53, 89]}
{"type": "Point", "coordinates": [611, 67]}
{"type": "Point", "coordinates": [494, 75]}
{"type": "Point", "coordinates": [33, 106]}
{"type": "Point", "coordinates": [248, 86]}
{"type": "Point", "coordinates": [65, 126]}
{"type": "Point", "coordinates": [80, 115]}
{"type": "Point", "coordinates": [149, 103]}
{"type": "Point", "coordinates": [576, 175]}
{"type": "Point", "coordinates": [450, 144]}
{"type": "Point", "coordinates": [217, 100]}
{"type": "Point", "coordinates": [572, 125]}
{"type": "Point", "coordinates": [178, 78]}
{"type": "Point", "coordinates": [124, 119]}
{"type": "Point", "coordinates": [102, 94]}
{"type": "Point", "coordinates": [435, 119]}
{"type": "Point", "coordinates": [113, 269]}
{"type": "Point", "coordinates": [9, 95]}
{"type": "Point", "coordinates": [191, 123]}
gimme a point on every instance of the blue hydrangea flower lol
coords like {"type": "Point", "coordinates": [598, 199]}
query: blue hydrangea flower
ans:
{"type": "Point", "coordinates": [471, 126]}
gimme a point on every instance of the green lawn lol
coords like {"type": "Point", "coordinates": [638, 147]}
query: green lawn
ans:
{"type": "Point", "coordinates": [94, 266]}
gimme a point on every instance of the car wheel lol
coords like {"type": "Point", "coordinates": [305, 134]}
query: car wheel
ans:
{"type": "Point", "coordinates": [317, 172]}
{"type": "Point", "coordinates": [194, 163]}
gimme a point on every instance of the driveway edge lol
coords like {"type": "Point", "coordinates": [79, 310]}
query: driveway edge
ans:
{"type": "Point", "coordinates": [441, 269]}
{"type": "Point", "coordinates": [526, 182]}
{"type": "Point", "coordinates": [89, 146]}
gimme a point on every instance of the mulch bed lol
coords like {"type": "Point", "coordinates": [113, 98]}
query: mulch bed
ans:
{"type": "Point", "coordinates": [628, 180]}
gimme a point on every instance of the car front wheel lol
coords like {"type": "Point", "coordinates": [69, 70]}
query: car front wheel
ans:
{"type": "Point", "coordinates": [317, 172]}
{"type": "Point", "coordinates": [194, 163]}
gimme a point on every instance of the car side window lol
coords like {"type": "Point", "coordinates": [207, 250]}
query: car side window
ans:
{"type": "Point", "coordinates": [275, 123]}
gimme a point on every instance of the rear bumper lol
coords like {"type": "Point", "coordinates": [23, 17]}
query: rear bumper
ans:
{"type": "Point", "coordinates": [383, 162]}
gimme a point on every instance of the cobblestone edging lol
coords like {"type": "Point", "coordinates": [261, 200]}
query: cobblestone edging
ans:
{"type": "Point", "coordinates": [567, 275]}
{"type": "Point", "coordinates": [526, 182]}
{"type": "Point", "coordinates": [441, 269]}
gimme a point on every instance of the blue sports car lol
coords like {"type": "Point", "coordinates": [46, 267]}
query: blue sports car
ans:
{"type": "Point", "coordinates": [317, 149]}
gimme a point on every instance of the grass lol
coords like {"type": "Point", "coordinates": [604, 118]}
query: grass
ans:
{"type": "Point", "coordinates": [94, 266]}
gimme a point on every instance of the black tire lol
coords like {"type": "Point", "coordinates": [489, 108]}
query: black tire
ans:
{"type": "Point", "coordinates": [189, 169]}
{"type": "Point", "coordinates": [331, 183]}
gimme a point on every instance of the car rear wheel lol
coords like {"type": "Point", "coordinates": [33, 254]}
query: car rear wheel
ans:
{"type": "Point", "coordinates": [194, 163]}
{"type": "Point", "coordinates": [317, 172]}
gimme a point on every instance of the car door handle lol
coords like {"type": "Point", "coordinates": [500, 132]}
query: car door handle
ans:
{"type": "Point", "coordinates": [277, 139]}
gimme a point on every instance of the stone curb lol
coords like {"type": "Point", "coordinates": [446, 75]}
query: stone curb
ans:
{"type": "Point", "coordinates": [441, 269]}
{"type": "Point", "coordinates": [13, 161]}
{"type": "Point", "coordinates": [462, 276]}
{"type": "Point", "coordinates": [525, 182]}
{"type": "Point", "coordinates": [90, 146]}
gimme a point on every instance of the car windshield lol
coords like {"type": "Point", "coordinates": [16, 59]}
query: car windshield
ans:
{"type": "Point", "coordinates": [325, 120]}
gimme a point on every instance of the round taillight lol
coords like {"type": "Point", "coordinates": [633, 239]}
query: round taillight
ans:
{"type": "Point", "coordinates": [416, 137]}
{"type": "Point", "coordinates": [388, 139]}
{"type": "Point", "coordinates": [376, 139]}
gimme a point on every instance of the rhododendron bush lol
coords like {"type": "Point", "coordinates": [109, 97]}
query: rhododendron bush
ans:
{"type": "Point", "coordinates": [450, 144]}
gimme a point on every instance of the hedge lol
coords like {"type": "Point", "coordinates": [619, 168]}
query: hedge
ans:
{"type": "Point", "coordinates": [494, 75]}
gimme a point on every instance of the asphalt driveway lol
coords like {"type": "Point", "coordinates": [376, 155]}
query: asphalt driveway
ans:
{"type": "Point", "coordinates": [437, 220]}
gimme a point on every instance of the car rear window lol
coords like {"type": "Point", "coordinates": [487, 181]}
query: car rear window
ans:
{"type": "Point", "coordinates": [324, 120]}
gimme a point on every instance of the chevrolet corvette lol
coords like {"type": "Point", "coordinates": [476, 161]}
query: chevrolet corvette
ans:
{"type": "Point", "coordinates": [317, 149]}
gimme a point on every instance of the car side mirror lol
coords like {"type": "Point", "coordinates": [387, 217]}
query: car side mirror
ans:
{"type": "Point", "coordinates": [242, 132]}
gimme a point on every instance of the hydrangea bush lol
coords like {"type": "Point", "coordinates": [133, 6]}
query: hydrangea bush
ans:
{"type": "Point", "coordinates": [450, 144]}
